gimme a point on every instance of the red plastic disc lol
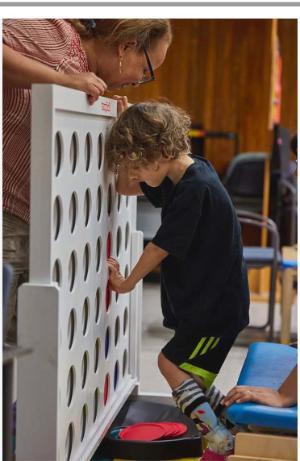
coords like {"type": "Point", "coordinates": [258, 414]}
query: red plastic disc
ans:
{"type": "Point", "coordinates": [173, 429]}
{"type": "Point", "coordinates": [153, 431]}
{"type": "Point", "coordinates": [143, 431]}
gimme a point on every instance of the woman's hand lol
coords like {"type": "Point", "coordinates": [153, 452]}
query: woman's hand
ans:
{"type": "Point", "coordinates": [117, 282]}
{"type": "Point", "coordinates": [87, 81]}
{"type": "Point", "coordinates": [262, 395]}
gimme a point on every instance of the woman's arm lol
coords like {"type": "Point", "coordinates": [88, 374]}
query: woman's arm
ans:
{"type": "Point", "coordinates": [285, 396]}
{"type": "Point", "coordinates": [150, 258]}
{"type": "Point", "coordinates": [20, 72]}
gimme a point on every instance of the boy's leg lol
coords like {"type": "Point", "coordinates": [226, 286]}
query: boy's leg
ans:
{"type": "Point", "coordinates": [191, 400]}
{"type": "Point", "coordinates": [201, 357]}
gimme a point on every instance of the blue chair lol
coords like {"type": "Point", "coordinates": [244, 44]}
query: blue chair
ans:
{"type": "Point", "coordinates": [267, 365]}
{"type": "Point", "coordinates": [244, 180]}
{"type": "Point", "coordinates": [259, 257]}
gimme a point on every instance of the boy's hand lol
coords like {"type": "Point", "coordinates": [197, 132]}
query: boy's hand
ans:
{"type": "Point", "coordinates": [122, 103]}
{"type": "Point", "coordinates": [116, 280]}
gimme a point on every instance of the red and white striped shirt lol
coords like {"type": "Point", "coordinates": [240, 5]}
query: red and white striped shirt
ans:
{"type": "Point", "coordinates": [52, 42]}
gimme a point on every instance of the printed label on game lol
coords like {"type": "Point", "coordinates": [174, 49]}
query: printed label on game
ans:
{"type": "Point", "coordinates": [105, 106]}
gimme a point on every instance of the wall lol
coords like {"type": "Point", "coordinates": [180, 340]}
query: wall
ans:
{"type": "Point", "coordinates": [219, 71]}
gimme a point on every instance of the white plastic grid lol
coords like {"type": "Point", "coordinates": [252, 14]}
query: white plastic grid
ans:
{"type": "Point", "coordinates": [85, 339]}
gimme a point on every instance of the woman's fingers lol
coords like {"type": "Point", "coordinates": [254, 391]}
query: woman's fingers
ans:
{"type": "Point", "coordinates": [238, 394]}
{"type": "Point", "coordinates": [88, 82]}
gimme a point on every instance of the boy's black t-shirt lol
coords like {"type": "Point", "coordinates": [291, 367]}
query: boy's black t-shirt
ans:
{"type": "Point", "coordinates": [204, 283]}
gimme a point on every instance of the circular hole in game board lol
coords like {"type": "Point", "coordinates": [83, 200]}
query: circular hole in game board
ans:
{"type": "Point", "coordinates": [69, 442]}
{"type": "Point", "coordinates": [88, 151]}
{"type": "Point", "coordinates": [74, 152]}
{"type": "Point", "coordinates": [116, 375]}
{"type": "Point", "coordinates": [87, 206]}
{"type": "Point", "coordinates": [71, 327]}
{"type": "Point", "coordinates": [57, 217]}
{"type": "Point", "coordinates": [108, 246]}
{"type": "Point", "coordinates": [96, 403]}
{"type": "Point", "coordinates": [126, 272]}
{"type": "Point", "coordinates": [97, 305]}
{"type": "Point", "coordinates": [97, 354]}
{"type": "Point", "coordinates": [117, 330]}
{"type": "Point", "coordinates": [124, 362]}
{"type": "Point", "coordinates": [100, 150]}
{"type": "Point", "coordinates": [84, 368]}
{"type": "Point", "coordinates": [70, 385]}
{"type": "Point", "coordinates": [56, 272]}
{"type": "Point", "coordinates": [109, 199]}
{"type": "Point", "coordinates": [86, 261]}
{"type": "Point", "coordinates": [73, 212]}
{"type": "Point", "coordinates": [119, 201]}
{"type": "Point", "coordinates": [125, 321]}
{"type": "Point", "coordinates": [107, 297]}
{"type": "Point", "coordinates": [85, 315]}
{"type": "Point", "coordinates": [127, 230]}
{"type": "Point", "coordinates": [72, 270]}
{"type": "Point", "coordinates": [83, 421]}
{"type": "Point", "coordinates": [107, 342]}
{"type": "Point", "coordinates": [106, 389]}
{"type": "Point", "coordinates": [58, 152]}
{"type": "Point", "coordinates": [98, 254]}
{"type": "Point", "coordinates": [99, 202]}
{"type": "Point", "coordinates": [119, 240]}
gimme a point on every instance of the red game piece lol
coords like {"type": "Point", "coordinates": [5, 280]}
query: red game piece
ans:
{"type": "Point", "coordinates": [142, 431]}
{"type": "Point", "coordinates": [152, 431]}
{"type": "Point", "coordinates": [174, 429]}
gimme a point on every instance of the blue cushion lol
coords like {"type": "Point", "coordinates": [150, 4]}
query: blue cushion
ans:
{"type": "Point", "coordinates": [267, 365]}
{"type": "Point", "coordinates": [286, 264]}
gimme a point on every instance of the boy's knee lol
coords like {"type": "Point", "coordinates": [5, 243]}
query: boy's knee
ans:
{"type": "Point", "coordinates": [200, 382]}
{"type": "Point", "coordinates": [161, 363]}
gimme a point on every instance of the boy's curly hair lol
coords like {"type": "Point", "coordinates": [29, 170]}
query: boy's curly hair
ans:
{"type": "Point", "coordinates": [146, 131]}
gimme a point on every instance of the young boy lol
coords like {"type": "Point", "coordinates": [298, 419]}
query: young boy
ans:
{"type": "Point", "coordinates": [204, 289]}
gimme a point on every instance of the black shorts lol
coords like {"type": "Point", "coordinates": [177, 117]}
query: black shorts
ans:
{"type": "Point", "coordinates": [199, 355]}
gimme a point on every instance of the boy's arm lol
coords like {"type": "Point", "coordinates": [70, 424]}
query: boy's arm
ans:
{"type": "Point", "coordinates": [150, 258]}
{"type": "Point", "coordinates": [125, 186]}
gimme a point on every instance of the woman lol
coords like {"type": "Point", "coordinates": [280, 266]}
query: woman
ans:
{"type": "Point", "coordinates": [93, 56]}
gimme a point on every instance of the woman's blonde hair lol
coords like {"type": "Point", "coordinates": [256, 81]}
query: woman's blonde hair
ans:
{"type": "Point", "coordinates": [117, 31]}
{"type": "Point", "coordinates": [145, 132]}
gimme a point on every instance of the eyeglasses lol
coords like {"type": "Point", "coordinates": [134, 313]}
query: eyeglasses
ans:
{"type": "Point", "coordinates": [149, 73]}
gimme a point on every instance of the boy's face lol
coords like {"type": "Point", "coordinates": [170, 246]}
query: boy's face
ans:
{"type": "Point", "coordinates": [153, 174]}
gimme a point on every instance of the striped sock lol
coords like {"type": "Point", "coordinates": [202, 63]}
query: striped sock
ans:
{"type": "Point", "coordinates": [192, 401]}
{"type": "Point", "coordinates": [214, 396]}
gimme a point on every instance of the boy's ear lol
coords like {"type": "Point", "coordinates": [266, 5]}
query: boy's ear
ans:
{"type": "Point", "coordinates": [129, 45]}
{"type": "Point", "coordinates": [156, 165]}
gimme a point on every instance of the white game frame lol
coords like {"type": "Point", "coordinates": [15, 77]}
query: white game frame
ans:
{"type": "Point", "coordinates": [80, 344]}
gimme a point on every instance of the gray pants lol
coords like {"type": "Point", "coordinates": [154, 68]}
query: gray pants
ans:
{"type": "Point", "coordinates": [16, 253]}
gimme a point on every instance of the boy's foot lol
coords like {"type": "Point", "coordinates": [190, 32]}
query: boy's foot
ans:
{"type": "Point", "coordinates": [209, 455]}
